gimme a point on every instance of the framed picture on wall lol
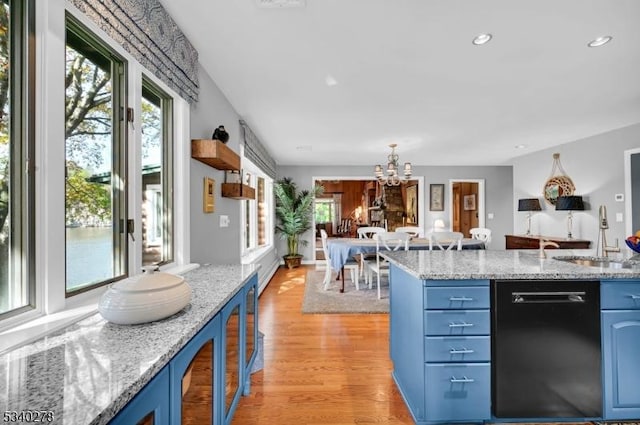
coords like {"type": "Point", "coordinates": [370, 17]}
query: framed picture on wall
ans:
{"type": "Point", "coordinates": [436, 197]}
{"type": "Point", "coordinates": [469, 202]}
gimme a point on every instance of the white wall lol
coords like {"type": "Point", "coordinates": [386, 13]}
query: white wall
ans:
{"type": "Point", "coordinates": [596, 167]}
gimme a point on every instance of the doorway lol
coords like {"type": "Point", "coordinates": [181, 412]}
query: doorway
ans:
{"type": "Point", "coordinates": [466, 205]}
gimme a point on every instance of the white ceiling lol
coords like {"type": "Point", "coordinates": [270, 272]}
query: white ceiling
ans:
{"type": "Point", "coordinates": [408, 73]}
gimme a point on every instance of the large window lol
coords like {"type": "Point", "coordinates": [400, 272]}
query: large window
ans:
{"type": "Point", "coordinates": [95, 177]}
{"type": "Point", "coordinates": [17, 291]}
{"type": "Point", "coordinates": [256, 217]}
{"type": "Point", "coordinates": [157, 176]}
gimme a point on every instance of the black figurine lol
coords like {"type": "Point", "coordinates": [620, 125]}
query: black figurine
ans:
{"type": "Point", "coordinates": [220, 134]}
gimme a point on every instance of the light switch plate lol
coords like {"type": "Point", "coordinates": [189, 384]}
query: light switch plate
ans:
{"type": "Point", "coordinates": [224, 221]}
{"type": "Point", "coordinates": [619, 217]}
{"type": "Point", "coordinates": [490, 216]}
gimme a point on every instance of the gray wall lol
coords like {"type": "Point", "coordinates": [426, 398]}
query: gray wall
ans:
{"type": "Point", "coordinates": [211, 243]}
{"type": "Point", "coordinates": [596, 167]}
{"type": "Point", "coordinates": [498, 193]}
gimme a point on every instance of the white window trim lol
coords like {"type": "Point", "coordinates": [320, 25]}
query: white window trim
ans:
{"type": "Point", "coordinates": [53, 310]}
{"type": "Point", "coordinates": [250, 255]}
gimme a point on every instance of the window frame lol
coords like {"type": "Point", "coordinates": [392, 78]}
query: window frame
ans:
{"type": "Point", "coordinates": [249, 213]}
{"type": "Point", "coordinates": [21, 149]}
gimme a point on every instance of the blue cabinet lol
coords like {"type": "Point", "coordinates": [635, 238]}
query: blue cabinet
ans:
{"type": "Point", "coordinates": [149, 406]}
{"type": "Point", "coordinates": [208, 375]}
{"type": "Point", "coordinates": [441, 348]}
{"type": "Point", "coordinates": [620, 303]}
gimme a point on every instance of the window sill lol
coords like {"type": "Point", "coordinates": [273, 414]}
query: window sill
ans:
{"type": "Point", "coordinates": [255, 255]}
{"type": "Point", "coordinates": [42, 325]}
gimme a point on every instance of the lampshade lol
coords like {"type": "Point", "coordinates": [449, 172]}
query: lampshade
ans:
{"type": "Point", "coordinates": [569, 203]}
{"type": "Point", "coordinates": [529, 204]}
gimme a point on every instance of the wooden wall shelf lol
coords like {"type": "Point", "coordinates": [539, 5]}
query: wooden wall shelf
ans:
{"type": "Point", "coordinates": [215, 154]}
{"type": "Point", "coordinates": [238, 191]}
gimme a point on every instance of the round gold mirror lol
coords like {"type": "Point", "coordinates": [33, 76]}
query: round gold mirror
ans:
{"type": "Point", "coordinates": [558, 186]}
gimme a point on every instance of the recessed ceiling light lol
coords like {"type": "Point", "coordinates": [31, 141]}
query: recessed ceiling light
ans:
{"type": "Point", "coordinates": [330, 81]}
{"type": "Point", "coordinates": [600, 41]}
{"type": "Point", "coordinates": [481, 39]}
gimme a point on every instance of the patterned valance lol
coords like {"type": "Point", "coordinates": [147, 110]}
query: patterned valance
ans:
{"type": "Point", "coordinates": [257, 153]}
{"type": "Point", "coordinates": [149, 34]}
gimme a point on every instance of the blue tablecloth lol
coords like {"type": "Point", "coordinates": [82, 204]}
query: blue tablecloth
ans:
{"type": "Point", "coordinates": [342, 250]}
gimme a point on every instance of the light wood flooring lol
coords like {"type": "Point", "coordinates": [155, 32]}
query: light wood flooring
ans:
{"type": "Point", "coordinates": [320, 369]}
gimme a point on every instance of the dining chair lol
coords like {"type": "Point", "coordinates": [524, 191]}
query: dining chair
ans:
{"type": "Point", "coordinates": [445, 241]}
{"type": "Point", "coordinates": [481, 233]}
{"type": "Point", "coordinates": [414, 231]}
{"type": "Point", "coordinates": [367, 232]}
{"type": "Point", "coordinates": [385, 241]}
{"type": "Point", "coordinates": [353, 267]}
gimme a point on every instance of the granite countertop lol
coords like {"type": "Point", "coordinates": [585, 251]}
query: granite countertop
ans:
{"type": "Point", "coordinates": [495, 264]}
{"type": "Point", "coordinates": [88, 371]}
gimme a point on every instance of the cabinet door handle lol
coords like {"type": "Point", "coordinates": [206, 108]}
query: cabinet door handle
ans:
{"type": "Point", "coordinates": [463, 380]}
{"type": "Point", "coordinates": [460, 325]}
{"type": "Point", "coordinates": [460, 299]}
{"type": "Point", "coordinates": [460, 351]}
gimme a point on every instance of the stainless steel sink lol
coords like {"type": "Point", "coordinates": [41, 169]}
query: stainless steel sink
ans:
{"type": "Point", "coordinates": [599, 262]}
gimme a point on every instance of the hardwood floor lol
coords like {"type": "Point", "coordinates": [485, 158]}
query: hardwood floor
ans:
{"type": "Point", "coordinates": [320, 369]}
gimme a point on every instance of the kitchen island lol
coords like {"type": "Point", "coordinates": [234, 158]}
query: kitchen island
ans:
{"type": "Point", "coordinates": [94, 371]}
{"type": "Point", "coordinates": [444, 347]}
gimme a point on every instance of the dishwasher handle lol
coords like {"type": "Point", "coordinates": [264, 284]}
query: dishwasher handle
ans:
{"type": "Point", "coordinates": [548, 297]}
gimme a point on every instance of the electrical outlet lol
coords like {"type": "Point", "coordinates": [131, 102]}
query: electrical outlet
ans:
{"type": "Point", "coordinates": [490, 216]}
{"type": "Point", "coordinates": [224, 221]}
{"type": "Point", "coordinates": [619, 217]}
{"type": "Point", "coordinates": [619, 197]}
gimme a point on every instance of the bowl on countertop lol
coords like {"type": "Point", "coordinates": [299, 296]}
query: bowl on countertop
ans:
{"type": "Point", "coordinates": [635, 246]}
{"type": "Point", "coordinates": [144, 298]}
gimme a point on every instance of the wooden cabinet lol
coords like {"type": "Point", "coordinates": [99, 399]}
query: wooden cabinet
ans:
{"type": "Point", "coordinates": [620, 303]}
{"type": "Point", "coordinates": [443, 331]}
{"type": "Point", "coordinates": [215, 154]}
{"type": "Point", "coordinates": [533, 242]}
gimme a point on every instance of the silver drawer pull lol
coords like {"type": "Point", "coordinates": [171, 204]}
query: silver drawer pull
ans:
{"type": "Point", "coordinates": [460, 299]}
{"type": "Point", "coordinates": [463, 380]}
{"type": "Point", "coordinates": [461, 351]}
{"type": "Point", "coordinates": [460, 325]}
{"type": "Point", "coordinates": [635, 297]}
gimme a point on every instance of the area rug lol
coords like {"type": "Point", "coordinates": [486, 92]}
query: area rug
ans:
{"type": "Point", "coordinates": [317, 300]}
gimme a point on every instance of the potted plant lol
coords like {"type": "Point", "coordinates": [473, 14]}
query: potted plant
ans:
{"type": "Point", "coordinates": [294, 211]}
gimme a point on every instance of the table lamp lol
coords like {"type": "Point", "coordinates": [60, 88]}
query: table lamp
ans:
{"type": "Point", "coordinates": [528, 205]}
{"type": "Point", "coordinates": [569, 203]}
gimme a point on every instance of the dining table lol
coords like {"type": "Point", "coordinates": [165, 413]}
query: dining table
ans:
{"type": "Point", "coordinates": [342, 250]}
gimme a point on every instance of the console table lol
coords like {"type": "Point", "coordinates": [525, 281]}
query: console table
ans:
{"type": "Point", "coordinates": [533, 242]}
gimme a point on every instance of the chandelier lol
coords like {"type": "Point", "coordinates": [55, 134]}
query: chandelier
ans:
{"type": "Point", "coordinates": [392, 177]}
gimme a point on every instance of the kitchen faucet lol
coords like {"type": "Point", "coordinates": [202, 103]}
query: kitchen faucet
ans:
{"type": "Point", "coordinates": [603, 224]}
{"type": "Point", "coordinates": [544, 244]}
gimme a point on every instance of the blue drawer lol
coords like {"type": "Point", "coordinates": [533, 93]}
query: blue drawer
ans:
{"type": "Point", "coordinates": [457, 349]}
{"type": "Point", "coordinates": [457, 322]}
{"type": "Point", "coordinates": [457, 392]}
{"type": "Point", "coordinates": [456, 297]}
{"type": "Point", "coordinates": [620, 295]}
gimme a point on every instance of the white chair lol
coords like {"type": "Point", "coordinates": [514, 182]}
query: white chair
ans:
{"type": "Point", "coordinates": [482, 234]}
{"type": "Point", "coordinates": [385, 241]}
{"type": "Point", "coordinates": [353, 267]}
{"type": "Point", "coordinates": [445, 240]}
{"type": "Point", "coordinates": [414, 231]}
{"type": "Point", "coordinates": [367, 233]}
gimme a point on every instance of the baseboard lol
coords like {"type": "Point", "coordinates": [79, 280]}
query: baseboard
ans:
{"type": "Point", "coordinates": [265, 278]}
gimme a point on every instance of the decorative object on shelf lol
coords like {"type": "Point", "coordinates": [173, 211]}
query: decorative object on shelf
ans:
{"type": "Point", "coordinates": [144, 298]}
{"type": "Point", "coordinates": [392, 177]}
{"type": "Point", "coordinates": [294, 211]}
{"type": "Point", "coordinates": [436, 198]}
{"type": "Point", "coordinates": [558, 184]}
{"type": "Point", "coordinates": [529, 205]}
{"type": "Point", "coordinates": [469, 202]}
{"type": "Point", "coordinates": [232, 176]}
{"type": "Point", "coordinates": [235, 187]}
{"type": "Point", "coordinates": [569, 203]}
{"type": "Point", "coordinates": [208, 198]}
{"type": "Point", "coordinates": [220, 134]}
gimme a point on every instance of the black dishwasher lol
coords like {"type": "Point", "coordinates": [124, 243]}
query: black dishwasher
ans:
{"type": "Point", "coordinates": [546, 349]}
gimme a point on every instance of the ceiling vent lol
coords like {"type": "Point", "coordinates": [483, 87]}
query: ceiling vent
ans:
{"type": "Point", "coordinates": [275, 4]}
